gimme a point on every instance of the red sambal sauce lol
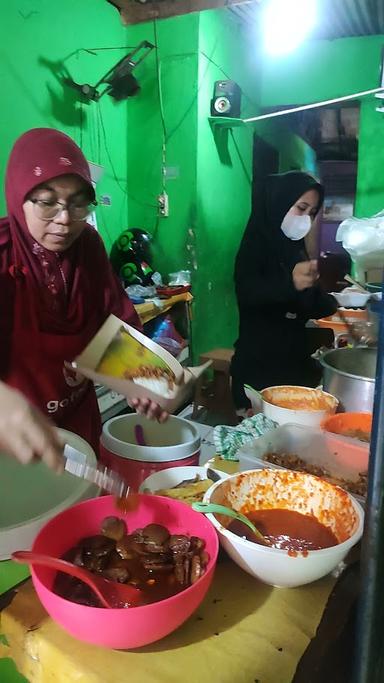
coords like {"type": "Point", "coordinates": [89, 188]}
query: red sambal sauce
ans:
{"type": "Point", "coordinates": [287, 530]}
{"type": "Point", "coordinates": [128, 504]}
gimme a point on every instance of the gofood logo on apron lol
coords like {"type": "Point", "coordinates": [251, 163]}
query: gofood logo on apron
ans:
{"type": "Point", "coordinates": [72, 377]}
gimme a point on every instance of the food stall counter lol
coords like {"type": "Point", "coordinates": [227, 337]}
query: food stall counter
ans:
{"type": "Point", "coordinates": [244, 631]}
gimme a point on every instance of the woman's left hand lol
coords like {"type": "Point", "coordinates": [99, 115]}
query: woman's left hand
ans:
{"type": "Point", "coordinates": [151, 410]}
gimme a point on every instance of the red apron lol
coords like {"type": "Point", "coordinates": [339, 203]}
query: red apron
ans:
{"type": "Point", "coordinates": [37, 369]}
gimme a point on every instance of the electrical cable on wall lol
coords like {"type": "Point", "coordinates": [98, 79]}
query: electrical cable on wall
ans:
{"type": "Point", "coordinates": [81, 124]}
{"type": "Point", "coordinates": [201, 83]}
{"type": "Point", "coordinates": [115, 176]}
{"type": "Point", "coordinates": [166, 136]}
{"type": "Point", "coordinates": [183, 55]}
{"type": "Point", "coordinates": [161, 106]}
{"type": "Point", "coordinates": [92, 132]}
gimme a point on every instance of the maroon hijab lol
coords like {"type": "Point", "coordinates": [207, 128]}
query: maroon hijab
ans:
{"type": "Point", "coordinates": [89, 290]}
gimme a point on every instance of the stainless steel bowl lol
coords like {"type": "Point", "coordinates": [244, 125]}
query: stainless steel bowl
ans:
{"type": "Point", "coordinates": [349, 374]}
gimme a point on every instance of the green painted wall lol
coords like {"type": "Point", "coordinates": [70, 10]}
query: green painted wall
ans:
{"type": "Point", "coordinates": [208, 198]}
{"type": "Point", "coordinates": [177, 41]}
{"type": "Point", "coordinates": [224, 169]}
{"type": "Point", "coordinates": [327, 69]}
{"type": "Point", "coordinates": [370, 176]}
{"type": "Point", "coordinates": [36, 37]}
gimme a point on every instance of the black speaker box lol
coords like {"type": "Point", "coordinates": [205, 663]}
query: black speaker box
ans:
{"type": "Point", "coordinates": [226, 99]}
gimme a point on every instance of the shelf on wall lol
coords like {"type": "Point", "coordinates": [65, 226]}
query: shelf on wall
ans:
{"type": "Point", "coordinates": [226, 122]}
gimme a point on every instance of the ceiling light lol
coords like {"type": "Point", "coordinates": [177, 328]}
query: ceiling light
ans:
{"type": "Point", "coordinates": [286, 24]}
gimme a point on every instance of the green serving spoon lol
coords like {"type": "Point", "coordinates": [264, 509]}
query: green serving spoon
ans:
{"type": "Point", "coordinates": [254, 391]}
{"type": "Point", "coordinates": [214, 508]}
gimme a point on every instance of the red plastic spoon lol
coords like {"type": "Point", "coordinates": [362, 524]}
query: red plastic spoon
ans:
{"type": "Point", "coordinates": [110, 593]}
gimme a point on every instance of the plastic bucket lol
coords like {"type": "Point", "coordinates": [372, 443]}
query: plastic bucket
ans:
{"type": "Point", "coordinates": [175, 443]}
{"type": "Point", "coordinates": [32, 494]}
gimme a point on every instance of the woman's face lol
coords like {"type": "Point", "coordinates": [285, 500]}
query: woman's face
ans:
{"type": "Point", "coordinates": [306, 205]}
{"type": "Point", "coordinates": [69, 195]}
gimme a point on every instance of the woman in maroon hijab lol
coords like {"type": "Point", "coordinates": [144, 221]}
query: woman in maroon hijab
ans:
{"type": "Point", "coordinates": [57, 285]}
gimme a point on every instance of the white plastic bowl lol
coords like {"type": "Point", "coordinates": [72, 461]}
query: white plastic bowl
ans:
{"type": "Point", "coordinates": [32, 494]}
{"type": "Point", "coordinates": [173, 476]}
{"type": "Point", "coordinates": [351, 299]}
{"type": "Point", "coordinates": [259, 489]}
{"type": "Point", "coordinates": [282, 415]}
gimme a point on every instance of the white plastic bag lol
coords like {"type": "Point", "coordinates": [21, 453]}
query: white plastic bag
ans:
{"type": "Point", "coordinates": [181, 277]}
{"type": "Point", "coordinates": [363, 239]}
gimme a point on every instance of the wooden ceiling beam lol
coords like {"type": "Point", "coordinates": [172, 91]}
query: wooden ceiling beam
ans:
{"type": "Point", "coordinates": [134, 12]}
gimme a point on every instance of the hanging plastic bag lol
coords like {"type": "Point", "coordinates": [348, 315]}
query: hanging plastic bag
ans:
{"type": "Point", "coordinates": [165, 334]}
{"type": "Point", "coordinates": [363, 239]}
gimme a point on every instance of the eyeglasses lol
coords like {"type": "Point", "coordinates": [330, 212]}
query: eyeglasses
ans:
{"type": "Point", "coordinates": [46, 209]}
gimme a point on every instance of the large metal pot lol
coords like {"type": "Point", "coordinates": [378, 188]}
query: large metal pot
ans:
{"type": "Point", "coordinates": [374, 309]}
{"type": "Point", "coordinates": [349, 374]}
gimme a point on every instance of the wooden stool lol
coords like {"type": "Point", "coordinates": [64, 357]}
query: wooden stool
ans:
{"type": "Point", "coordinates": [216, 394]}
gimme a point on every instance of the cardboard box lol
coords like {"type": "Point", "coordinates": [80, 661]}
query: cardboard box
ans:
{"type": "Point", "coordinates": [127, 362]}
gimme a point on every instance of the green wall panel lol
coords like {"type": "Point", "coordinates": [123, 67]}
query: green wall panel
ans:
{"type": "Point", "coordinates": [224, 169]}
{"type": "Point", "coordinates": [177, 70]}
{"type": "Point", "coordinates": [36, 38]}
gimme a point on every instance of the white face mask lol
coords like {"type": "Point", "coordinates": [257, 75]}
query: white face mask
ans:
{"type": "Point", "coordinates": [296, 227]}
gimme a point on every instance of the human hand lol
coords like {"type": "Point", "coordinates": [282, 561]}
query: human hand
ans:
{"type": "Point", "coordinates": [151, 410]}
{"type": "Point", "coordinates": [305, 274]}
{"type": "Point", "coordinates": [25, 433]}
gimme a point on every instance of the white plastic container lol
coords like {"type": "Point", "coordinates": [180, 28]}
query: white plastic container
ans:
{"type": "Point", "coordinates": [262, 402]}
{"type": "Point", "coordinates": [258, 489]}
{"type": "Point", "coordinates": [351, 298]}
{"type": "Point", "coordinates": [32, 494]}
{"type": "Point", "coordinates": [342, 457]}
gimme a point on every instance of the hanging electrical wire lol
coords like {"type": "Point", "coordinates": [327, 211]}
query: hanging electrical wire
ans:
{"type": "Point", "coordinates": [161, 107]}
{"type": "Point", "coordinates": [115, 176]}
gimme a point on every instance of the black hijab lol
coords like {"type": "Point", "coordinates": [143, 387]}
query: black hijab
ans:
{"type": "Point", "coordinates": [263, 235]}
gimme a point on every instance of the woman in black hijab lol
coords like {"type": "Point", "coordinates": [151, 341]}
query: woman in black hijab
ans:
{"type": "Point", "coordinates": [277, 289]}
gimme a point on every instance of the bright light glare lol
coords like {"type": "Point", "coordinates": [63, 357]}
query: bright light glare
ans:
{"type": "Point", "coordinates": [355, 238]}
{"type": "Point", "coordinates": [286, 24]}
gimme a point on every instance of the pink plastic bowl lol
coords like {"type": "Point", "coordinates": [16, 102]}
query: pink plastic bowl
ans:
{"type": "Point", "coordinates": [121, 628]}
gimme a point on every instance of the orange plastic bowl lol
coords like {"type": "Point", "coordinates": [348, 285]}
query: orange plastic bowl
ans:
{"type": "Point", "coordinates": [135, 626]}
{"type": "Point", "coordinates": [343, 423]}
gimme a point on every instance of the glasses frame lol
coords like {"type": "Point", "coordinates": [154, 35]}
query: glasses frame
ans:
{"type": "Point", "coordinates": [62, 206]}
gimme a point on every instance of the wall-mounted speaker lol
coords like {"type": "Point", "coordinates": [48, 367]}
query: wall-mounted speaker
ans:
{"type": "Point", "coordinates": [226, 99]}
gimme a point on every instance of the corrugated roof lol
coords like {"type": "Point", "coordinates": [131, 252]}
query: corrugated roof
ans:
{"type": "Point", "coordinates": [336, 18]}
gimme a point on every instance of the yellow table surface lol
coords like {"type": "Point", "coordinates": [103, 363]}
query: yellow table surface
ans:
{"type": "Point", "coordinates": [244, 632]}
{"type": "Point", "coordinates": [150, 310]}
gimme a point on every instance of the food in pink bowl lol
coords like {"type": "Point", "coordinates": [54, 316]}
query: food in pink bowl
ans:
{"type": "Point", "coordinates": [162, 547]}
